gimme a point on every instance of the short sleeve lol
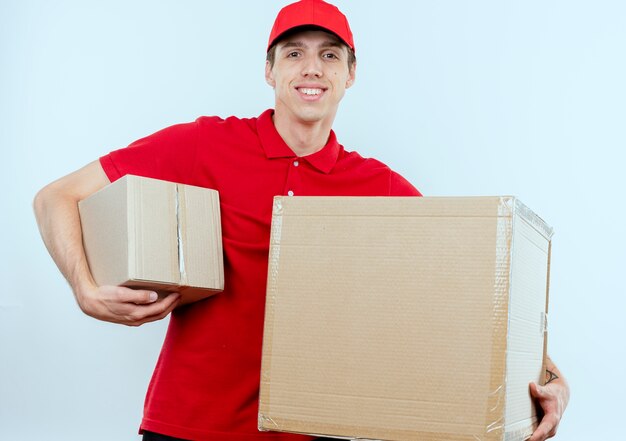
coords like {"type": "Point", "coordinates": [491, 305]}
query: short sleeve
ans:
{"type": "Point", "coordinates": [169, 154]}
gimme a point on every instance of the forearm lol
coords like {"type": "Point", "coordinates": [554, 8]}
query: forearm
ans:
{"type": "Point", "coordinates": [59, 225]}
{"type": "Point", "coordinates": [56, 211]}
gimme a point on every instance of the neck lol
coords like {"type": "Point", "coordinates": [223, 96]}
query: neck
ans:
{"type": "Point", "coordinates": [304, 138]}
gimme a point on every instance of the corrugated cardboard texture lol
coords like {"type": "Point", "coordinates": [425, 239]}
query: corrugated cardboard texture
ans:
{"type": "Point", "coordinates": [201, 235]}
{"type": "Point", "coordinates": [388, 318]}
{"type": "Point", "coordinates": [146, 233]}
{"type": "Point", "coordinates": [99, 226]}
{"type": "Point", "coordinates": [152, 231]}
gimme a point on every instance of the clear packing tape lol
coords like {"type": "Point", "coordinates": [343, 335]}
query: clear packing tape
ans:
{"type": "Point", "coordinates": [179, 196]}
{"type": "Point", "coordinates": [510, 211]}
{"type": "Point", "coordinates": [274, 253]}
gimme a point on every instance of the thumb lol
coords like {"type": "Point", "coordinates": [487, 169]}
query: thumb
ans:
{"type": "Point", "coordinates": [146, 297]}
{"type": "Point", "coordinates": [536, 391]}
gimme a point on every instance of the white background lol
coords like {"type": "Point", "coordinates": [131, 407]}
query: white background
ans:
{"type": "Point", "coordinates": [461, 97]}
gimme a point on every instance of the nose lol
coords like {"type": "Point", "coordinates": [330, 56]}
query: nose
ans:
{"type": "Point", "coordinates": [312, 66]}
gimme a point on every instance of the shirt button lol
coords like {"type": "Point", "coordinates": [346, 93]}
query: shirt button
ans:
{"type": "Point", "coordinates": [296, 163]}
{"type": "Point", "coordinates": [290, 193]}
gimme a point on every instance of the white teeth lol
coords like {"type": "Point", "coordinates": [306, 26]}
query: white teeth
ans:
{"type": "Point", "coordinates": [311, 91]}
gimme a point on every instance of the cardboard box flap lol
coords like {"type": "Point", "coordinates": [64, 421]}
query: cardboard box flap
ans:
{"type": "Point", "coordinates": [533, 219]}
{"type": "Point", "coordinates": [482, 206]}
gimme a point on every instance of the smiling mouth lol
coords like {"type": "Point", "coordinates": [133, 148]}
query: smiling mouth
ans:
{"type": "Point", "coordinates": [310, 91]}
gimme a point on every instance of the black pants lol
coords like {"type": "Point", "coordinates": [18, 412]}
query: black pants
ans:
{"type": "Point", "coordinates": [151, 436]}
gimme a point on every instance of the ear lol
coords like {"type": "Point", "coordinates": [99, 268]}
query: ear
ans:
{"type": "Point", "coordinates": [269, 75]}
{"type": "Point", "coordinates": [351, 76]}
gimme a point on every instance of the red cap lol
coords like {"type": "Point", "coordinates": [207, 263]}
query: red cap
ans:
{"type": "Point", "coordinates": [312, 13]}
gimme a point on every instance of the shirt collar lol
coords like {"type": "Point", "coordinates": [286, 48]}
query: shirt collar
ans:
{"type": "Point", "coordinates": [275, 147]}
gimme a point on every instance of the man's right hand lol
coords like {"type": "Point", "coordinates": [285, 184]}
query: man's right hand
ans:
{"type": "Point", "coordinates": [131, 307]}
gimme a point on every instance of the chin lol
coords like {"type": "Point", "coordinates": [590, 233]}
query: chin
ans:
{"type": "Point", "coordinates": [311, 116]}
{"type": "Point", "coordinates": [310, 119]}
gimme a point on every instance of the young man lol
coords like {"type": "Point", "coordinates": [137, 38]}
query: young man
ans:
{"type": "Point", "coordinates": [205, 384]}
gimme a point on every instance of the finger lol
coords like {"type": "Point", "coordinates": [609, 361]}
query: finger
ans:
{"type": "Point", "coordinates": [534, 390]}
{"type": "Point", "coordinates": [149, 314]}
{"type": "Point", "coordinates": [147, 297]}
{"type": "Point", "coordinates": [137, 296]}
{"type": "Point", "coordinates": [545, 430]}
{"type": "Point", "coordinates": [171, 300]}
{"type": "Point", "coordinates": [164, 313]}
{"type": "Point", "coordinates": [537, 392]}
{"type": "Point", "coordinates": [540, 433]}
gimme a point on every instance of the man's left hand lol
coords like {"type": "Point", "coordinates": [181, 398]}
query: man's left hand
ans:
{"type": "Point", "coordinates": [553, 399]}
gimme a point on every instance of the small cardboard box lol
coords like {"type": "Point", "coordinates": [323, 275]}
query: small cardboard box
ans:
{"type": "Point", "coordinates": [404, 318]}
{"type": "Point", "coordinates": [151, 234]}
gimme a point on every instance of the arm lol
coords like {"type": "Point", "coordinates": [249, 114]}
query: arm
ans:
{"type": "Point", "coordinates": [56, 210]}
{"type": "Point", "coordinates": [553, 399]}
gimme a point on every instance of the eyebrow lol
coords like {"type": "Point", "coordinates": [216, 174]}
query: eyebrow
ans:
{"type": "Point", "coordinates": [325, 44]}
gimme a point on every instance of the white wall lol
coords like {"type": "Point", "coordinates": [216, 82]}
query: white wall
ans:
{"type": "Point", "coordinates": [462, 97]}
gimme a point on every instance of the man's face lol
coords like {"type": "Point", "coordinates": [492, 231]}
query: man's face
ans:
{"type": "Point", "coordinates": [309, 76]}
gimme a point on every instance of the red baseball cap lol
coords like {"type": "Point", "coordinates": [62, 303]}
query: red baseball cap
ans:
{"type": "Point", "coordinates": [311, 13]}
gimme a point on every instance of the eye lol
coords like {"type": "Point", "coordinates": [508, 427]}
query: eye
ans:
{"type": "Point", "coordinates": [293, 54]}
{"type": "Point", "coordinates": [330, 56]}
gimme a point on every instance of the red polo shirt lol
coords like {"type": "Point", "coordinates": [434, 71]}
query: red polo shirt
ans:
{"type": "Point", "coordinates": [206, 381]}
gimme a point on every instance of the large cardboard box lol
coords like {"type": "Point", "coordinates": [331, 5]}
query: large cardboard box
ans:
{"type": "Point", "coordinates": [404, 318]}
{"type": "Point", "coordinates": [151, 234]}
